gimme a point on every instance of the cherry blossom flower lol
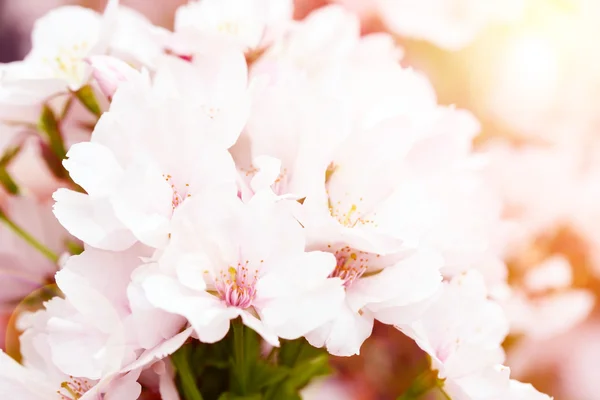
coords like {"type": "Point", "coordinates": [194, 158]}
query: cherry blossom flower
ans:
{"type": "Point", "coordinates": [290, 176]}
{"type": "Point", "coordinates": [31, 384]}
{"type": "Point", "coordinates": [371, 117]}
{"type": "Point", "coordinates": [91, 341]}
{"type": "Point", "coordinates": [97, 315]}
{"type": "Point", "coordinates": [242, 260]}
{"type": "Point", "coordinates": [64, 38]}
{"type": "Point", "coordinates": [61, 40]}
{"type": "Point", "coordinates": [463, 331]}
{"type": "Point", "coordinates": [160, 143]}
{"type": "Point", "coordinates": [247, 24]}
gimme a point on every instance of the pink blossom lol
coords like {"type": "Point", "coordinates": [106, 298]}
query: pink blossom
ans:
{"type": "Point", "coordinates": [195, 110]}
{"type": "Point", "coordinates": [252, 264]}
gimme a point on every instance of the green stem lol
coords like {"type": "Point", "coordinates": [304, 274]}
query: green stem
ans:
{"type": "Point", "coordinates": [188, 382]}
{"type": "Point", "coordinates": [8, 182]}
{"type": "Point", "coordinates": [28, 238]}
{"type": "Point", "coordinates": [238, 356]}
{"type": "Point", "coordinates": [422, 384]}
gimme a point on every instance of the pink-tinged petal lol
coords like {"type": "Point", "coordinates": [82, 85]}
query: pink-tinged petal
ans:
{"type": "Point", "coordinates": [116, 387]}
{"type": "Point", "coordinates": [411, 280]}
{"type": "Point", "coordinates": [483, 384]}
{"type": "Point", "coordinates": [524, 391]}
{"type": "Point", "coordinates": [308, 271]}
{"type": "Point", "coordinates": [93, 167]}
{"type": "Point", "coordinates": [269, 169]}
{"type": "Point", "coordinates": [295, 316]}
{"type": "Point", "coordinates": [166, 382]}
{"type": "Point", "coordinates": [107, 272]}
{"type": "Point", "coordinates": [215, 85]}
{"type": "Point", "coordinates": [93, 327]}
{"type": "Point", "coordinates": [390, 314]}
{"type": "Point", "coordinates": [91, 220]}
{"type": "Point", "coordinates": [345, 334]}
{"type": "Point", "coordinates": [25, 384]}
{"type": "Point", "coordinates": [470, 359]}
{"type": "Point", "coordinates": [160, 351]}
{"type": "Point", "coordinates": [207, 314]}
{"type": "Point", "coordinates": [144, 202]}
{"type": "Point", "coordinates": [28, 92]}
{"type": "Point", "coordinates": [122, 390]}
{"type": "Point", "coordinates": [147, 324]}
{"type": "Point", "coordinates": [259, 327]}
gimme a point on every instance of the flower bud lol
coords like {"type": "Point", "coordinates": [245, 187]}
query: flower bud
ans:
{"type": "Point", "coordinates": [109, 72]}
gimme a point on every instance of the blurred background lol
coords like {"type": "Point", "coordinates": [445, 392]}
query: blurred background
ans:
{"type": "Point", "coordinates": [530, 72]}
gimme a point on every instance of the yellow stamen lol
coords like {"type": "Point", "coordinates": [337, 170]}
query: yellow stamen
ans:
{"type": "Point", "coordinates": [349, 215]}
{"type": "Point", "coordinates": [67, 387]}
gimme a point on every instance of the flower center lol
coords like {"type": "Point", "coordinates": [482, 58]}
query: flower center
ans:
{"type": "Point", "coordinates": [73, 389]}
{"type": "Point", "coordinates": [351, 265]}
{"type": "Point", "coordinates": [229, 27]}
{"type": "Point", "coordinates": [210, 111]}
{"type": "Point", "coordinates": [68, 62]}
{"type": "Point", "coordinates": [236, 286]}
{"type": "Point", "coordinates": [178, 196]}
{"type": "Point", "coordinates": [341, 206]}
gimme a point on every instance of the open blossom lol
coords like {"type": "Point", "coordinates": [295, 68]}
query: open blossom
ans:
{"type": "Point", "coordinates": [243, 260]}
{"type": "Point", "coordinates": [252, 172]}
{"type": "Point", "coordinates": [160, 143]}
{"type": "Point", "coordinates": [370, 118]}
{"type": "Point", "coordinates": [29, 383]}
{"type": "Point", "coordinates": [463, 331]}
{"type": "Point", "coordinates": [249, 24]}
{"type": "Point", "coordinates": [89, 342]}
{"type": "Point", "coordinates": [63, 39]}
{"type": "Point", "coordinates": [97, 315]}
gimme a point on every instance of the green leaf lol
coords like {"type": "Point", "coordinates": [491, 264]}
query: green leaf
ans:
{"type": "Point", "coordinates": [304, 363]}
{"type": "Point", "coordinates": [309, 369]}
{"type": "Point", "coordinates": [294, 352]}
{"type": "Point", "coordinates": [421, 384]}
{"type": "Point", "coordinates": [48, 125]}
{"type": "Point", "coordinates": [187, 380]}
{"type": "Point", "coordinates": [231, 396]}
{"type": "Point", "coordinates": [264, 375]}
{"type": "Point", "coordinates": [282, 392]}
{"type": "Point", "coordinates": [87, 97]}
{"type": "Point", "coordinates": [245, 355]}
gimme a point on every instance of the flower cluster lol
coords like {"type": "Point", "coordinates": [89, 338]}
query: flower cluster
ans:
{"type": "Point", "coordinates": [288, 178]}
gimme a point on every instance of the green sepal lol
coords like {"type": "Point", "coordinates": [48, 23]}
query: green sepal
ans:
{"type": "Point", "coordinates": [87, 97]}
